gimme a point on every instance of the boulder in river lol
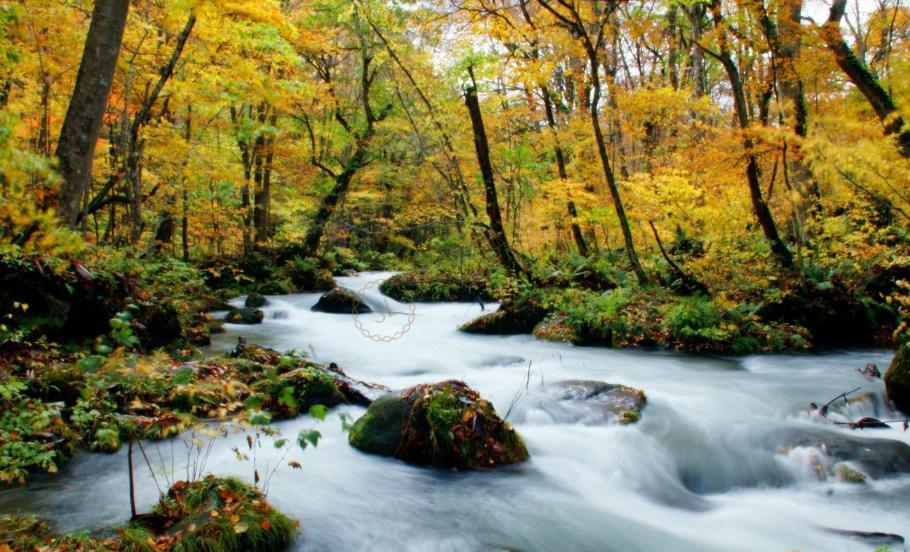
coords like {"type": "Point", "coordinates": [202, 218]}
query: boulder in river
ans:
{"type": "Point", "coordinates": [897, 379]}
{"type": "Point", "coordinates": [556, 329]}
{"type": "Point", "coordinates": [245, 315]}
{"type": "Point", "coordinates": [584, 402]}
{"type": "Point", "coordinates": [615, 403]}
{"type": "Point", "coordinates": [341, 301]}
{"type": "Point", "coordinates": [255, 301]}
{"type": "Point", "coordinates": [444, 424]}
{"type": "Point", "coordinates": [511, 318]}
{"type": "Point", "coordinates": [874, 458]}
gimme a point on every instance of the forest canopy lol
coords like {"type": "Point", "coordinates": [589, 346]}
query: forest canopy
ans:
{"type": "Point", "coordinates": [750, 150]}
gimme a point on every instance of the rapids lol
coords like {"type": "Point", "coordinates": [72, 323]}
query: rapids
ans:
{"type": "Point", "coordinates": [697, 473]}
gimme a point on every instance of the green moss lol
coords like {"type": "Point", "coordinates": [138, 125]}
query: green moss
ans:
{"type": "Point", "coordinates": [214, 514]}
{"type": "Point", "coordinates": [437, 285]}
{"type": "Point", "coordinates": [219, 514]}
{"type": "Point", "coordinates": [378, 431]}
{"type": "Point", "coordinates": [27, 533]}
{"type": "Point", "coordinates": [848, 475]}
{"type": "Point", "coordinates": [628, 417]}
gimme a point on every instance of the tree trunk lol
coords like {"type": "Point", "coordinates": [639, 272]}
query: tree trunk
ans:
{"type": "Point", "coordinates": [495, 232]}
{"type": "Point", "coordinates": [327, 208]}
{"type": "Point", "coordinates": [184, 227]}
{"type": "Point", "coordinates": [861, 77]}
{"type": "Point", "coordinates": [563, 174]}
{"type": "Point", "coordinates": [759, 207]}
{"type": "Point", "coordinates": [608, 172]}
{"type": "Point", "coordinates": [134, 147]}
{"type": "Point", "coordinates": [79, 134]}
{"type": "Point", "coordinates": [263, 197]}
{"type": "Point", "coordinates": [789, 46]}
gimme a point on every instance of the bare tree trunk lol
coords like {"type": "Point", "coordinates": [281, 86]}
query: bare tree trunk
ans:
{"type": "Point", "coordinates": [759, 207]}
{"type": "Point", "coordinates": [611, 177]}
{"type": "Point", "coordinates": [563, 174]}
{"type": "Point", "coordinates": [79, 134]}
{"type": "Point", "coordinates": [327, 208]}
{"type": "Point", "coordinates": [861, 77]}
{"type": "Point", "coordinates": [495, 232]}
{"type": "Point", "coordinates": [789, 46]}
{"type": "Point", "coordinates": [263, 196]}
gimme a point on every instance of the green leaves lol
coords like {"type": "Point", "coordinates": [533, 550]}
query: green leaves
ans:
{"type": "Point", "coordinates": [260, 418]}
{"type": "Point", "coordinates": [318, 411]}
{"type": "Point", "coordinates": [308, 437]}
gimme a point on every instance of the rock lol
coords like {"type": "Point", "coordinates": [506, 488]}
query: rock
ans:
{"type": "Point", "coordinates": [420, 286]}
{"type": "Point", "coordinates": [378, 431]}
{"type": "Point", "coordinates": [846, 474]}
{"type": "Point", "coordinates": [218, 300]}
{"type": "Point", "coordinates": [874, 458]}
{"type": "Point", "coordinates": [255, 300]}
{"type": "Point", "coordinates": [162, 326]}
{"type": "Point", "coordinates": [310, 383]}
{"type": "Point", "coordinates": [869, 423]}
{"type": "Point", "coordinates": [341, 301]}
{"type": "Point", "coordinates": [591, 402]}
{"type": "Point", "coordinates": [870, 371]}
{"type": "Point", "coordinates": [897, 379]}
{"type": "Point", "coordinates": [220, 513]}
{"type": "Point", "coordinates": [444, 425]}
{"type": "Point", "coordinates": [355, 391]}
{"type": "Point", "coordinates": [873, 538]}
{"type": "Point", "coordinates": [556, 329]}
{"type": "Point", "coordinates": [244, 316]}
{"type": "Point", "coordinates": [509, 319]}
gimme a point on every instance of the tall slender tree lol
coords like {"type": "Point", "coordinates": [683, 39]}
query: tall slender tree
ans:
{"type": "Point", "coordinates": [82, 125]}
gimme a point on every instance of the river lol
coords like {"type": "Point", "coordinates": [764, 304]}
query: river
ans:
{"type": "Point", "coordinates": [696, 473]}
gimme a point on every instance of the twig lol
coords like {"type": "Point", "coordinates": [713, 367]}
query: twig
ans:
{"type": "Point", "coordinates": [521, 391]}
{"type": "Point", "coordinates": [149, 464]}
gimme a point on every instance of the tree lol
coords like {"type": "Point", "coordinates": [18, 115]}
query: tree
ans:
{"type": "Point", "coordinates": [759, 206]}
{"type": "Point", "coordinates": [864, 79]}
{"type": "Point", "coordinates": [496, 233]}
{"type": "Point", "coordinates": [79, 135]}
{"type": "Point", "coordinates": [592, 35]}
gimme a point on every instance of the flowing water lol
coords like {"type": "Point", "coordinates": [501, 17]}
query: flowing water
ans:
{"type": "Point", "coordinates": [699, 472]}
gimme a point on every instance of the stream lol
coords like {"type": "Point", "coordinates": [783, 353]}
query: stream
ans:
{"type": "Point", "coordinates": [696, 473]}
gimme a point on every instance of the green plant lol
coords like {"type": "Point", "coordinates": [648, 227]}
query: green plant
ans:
{"type": "Point", "coordinates": [33, 435]}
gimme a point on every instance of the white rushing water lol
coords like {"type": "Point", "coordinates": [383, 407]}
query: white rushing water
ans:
{"type": "Point", "coordinates": [701, 471]}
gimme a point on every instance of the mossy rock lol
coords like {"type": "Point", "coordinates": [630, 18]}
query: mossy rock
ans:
{"type": "Point", "coordinates": [897, 379]}
{"type": "Point", "coordinates": [255, 301]}
{"type": "Point", "coordinates": [847, 474]}
{"type": "Point", "coordinates": [211, 514]}
{"type": "Point", "coordinates": [876, 458]}
{"type": "Point", "coordinates": [341, 301]}
{"type": "Point", "coordinates": [378, 431]}
{"type": "Point", "coordinates": [244, 316]}
{"type": "Point", "coordinates": [509, 319]}
{"type": "Point", "coordinates": [556, 329]}
{"type": "Point", "coordinates": [444, 425]}
{"type": "Point", "coordinates": [420, 286]}
{"type": "Point", "coordinates": [27, 533]}
{"type": "Point", "coordinates": [597, 402]}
